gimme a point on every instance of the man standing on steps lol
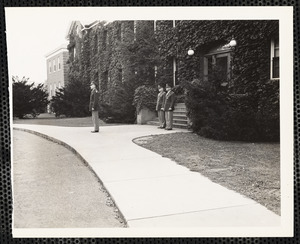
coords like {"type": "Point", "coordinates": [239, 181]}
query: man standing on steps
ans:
{"type": "Point", "coordinates": [169, 107]}
{"type": "Point", "coordinates": [94, 106]}
{"type": "Point", "coordinates": [159, 107]}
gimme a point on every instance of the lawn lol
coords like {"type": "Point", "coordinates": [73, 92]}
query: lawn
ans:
{"type": "Point", "coordinates": [50, 119]}
{"type": "Point", "coordinates": [252, 169]}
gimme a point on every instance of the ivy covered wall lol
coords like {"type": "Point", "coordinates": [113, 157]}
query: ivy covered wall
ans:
{"type": "Point", "coordinates": [123, 55]}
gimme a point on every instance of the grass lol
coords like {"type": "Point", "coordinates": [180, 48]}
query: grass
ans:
{"type": "Point", "coordinates": [50, 119]}
{"type": "Point", "coordinates": [252, 169]}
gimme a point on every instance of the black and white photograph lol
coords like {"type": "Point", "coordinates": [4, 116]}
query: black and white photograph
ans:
{"type": "Point", "coordinates": [151, 121]}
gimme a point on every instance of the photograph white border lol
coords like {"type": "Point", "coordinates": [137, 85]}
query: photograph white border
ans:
{"type": "Point", "coordinates": [285, 17]}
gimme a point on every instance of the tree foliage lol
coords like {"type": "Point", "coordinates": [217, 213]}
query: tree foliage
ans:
{"type": "Point", "coordinates": [28, 98]}
{"type": "Point", "coordinates": [73, 99]}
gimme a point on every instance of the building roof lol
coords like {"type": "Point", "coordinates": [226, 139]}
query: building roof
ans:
{"type": "Point", "coordinates": [62, 47]}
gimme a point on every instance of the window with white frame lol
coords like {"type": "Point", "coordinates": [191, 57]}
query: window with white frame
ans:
{"type": "Point", "coordinates": [274, 67]}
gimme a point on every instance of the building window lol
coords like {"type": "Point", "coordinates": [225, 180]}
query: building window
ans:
{"type": "Point", "coordinates": [119, 32]}
{"type": "Point", "coordinates": [50, 67]}
{"type": "Point", "coordinates": [120, 75]}
{"type": "Point", "coordinates": [74, 52]}
{"type": "Point", "coordinates": [50, 91]}
{"type": "Point", "coordinates": [59, 86]}
{"type": "Point", "coordinates": [54, 89]}
{"type": "Point", "coordinates": [58, 63]}
{"type": "Point", "coordinates": [54, 65]}
{"type": "Point", "coordinates": [96, 44]}
{"type": "Point", "coordinates": [105, 80]}
{"type": "Point", "coordinates": [274, 58]}
{"type": "Point", "coordinates": [217, 64]}
{"type": "Point", "coordinates": [104, 39]}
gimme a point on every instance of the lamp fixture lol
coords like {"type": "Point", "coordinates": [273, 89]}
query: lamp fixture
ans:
{"type": "Point", "coordinates": [232, 43]}
{"type": "Point", "coordinates": [190, 52]}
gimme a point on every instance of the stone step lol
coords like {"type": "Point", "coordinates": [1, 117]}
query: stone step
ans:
{"type": "Point", "coordinates": [181, 126]}
{"type": "Point", "coordinates": [180, 105]}
{"type": "Point", "coordinates": [179, 109]}
{"type": "Point", "coordinates": [181, 122]}
{"type": "Point", "coordinates": [180, 115]}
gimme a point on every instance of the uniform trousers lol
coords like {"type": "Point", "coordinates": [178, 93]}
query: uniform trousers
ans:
{"type": "Point", "coordinates": [169, 119]}
{"type": "Point", "coordinates": [161, 118]}
{"type": "Point", "coordinates": [95, 119]}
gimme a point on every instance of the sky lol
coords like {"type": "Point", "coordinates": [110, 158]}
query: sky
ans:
{"type": "Point", "coordinates": [32, 32]}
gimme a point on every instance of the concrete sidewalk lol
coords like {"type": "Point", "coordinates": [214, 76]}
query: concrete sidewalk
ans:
{"type": "Point", "coordinates": [152, 191]}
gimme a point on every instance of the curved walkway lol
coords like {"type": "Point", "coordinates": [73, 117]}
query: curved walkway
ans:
{"type": "Point", "coordinates": [152, 191]}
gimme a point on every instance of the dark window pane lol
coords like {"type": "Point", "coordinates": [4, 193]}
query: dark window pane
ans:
{"type": "Point", "coordinates": [275, 67]}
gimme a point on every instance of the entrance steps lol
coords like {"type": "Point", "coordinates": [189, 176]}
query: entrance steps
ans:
{"type": "Point", "coordinates": [180, 119]}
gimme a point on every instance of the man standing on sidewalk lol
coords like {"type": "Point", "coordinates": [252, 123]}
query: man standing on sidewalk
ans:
{"type": "Point", "coordinates": [169, 107]}
{"type": "Point", "coordinates": [159, 107]}
{"type": "Point", "coordinates": [94, 106]}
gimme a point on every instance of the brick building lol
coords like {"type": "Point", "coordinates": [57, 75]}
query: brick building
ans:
{"type": "Point", "coordinates": [57, 69]}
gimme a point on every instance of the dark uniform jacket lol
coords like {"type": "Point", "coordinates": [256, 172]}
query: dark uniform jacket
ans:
{"type": "Point", "coordinates": [160, 100]}
{"type": "Point", "coordinates": [94, 100]}
{"type": "Point", "coordinates": [169, 101]}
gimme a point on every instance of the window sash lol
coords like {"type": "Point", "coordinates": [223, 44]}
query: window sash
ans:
{"type": "Point", "coordinates": [274, 59]}
{"type": "Point", "coordinates": [210, 60]}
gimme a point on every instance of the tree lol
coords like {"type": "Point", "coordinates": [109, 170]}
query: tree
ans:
{"type": "Point", "coordinates": [72, 100]}
{"type": "Point", "coordinates": [27, 98]}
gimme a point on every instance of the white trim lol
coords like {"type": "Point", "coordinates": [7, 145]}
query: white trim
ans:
{"type": "Point", "coordinates": [87, 28]}
{"type": "Point", "coordinates": [134, 29]}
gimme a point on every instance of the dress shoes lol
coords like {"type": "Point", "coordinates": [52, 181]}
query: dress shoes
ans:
{"type": "Point", "coordinates": [95, 131]}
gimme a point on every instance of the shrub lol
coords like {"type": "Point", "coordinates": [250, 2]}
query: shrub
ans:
{"type": "Point", "coordinates": [219, 115]}
{"type": "Point", "coordinates": [72, 101]}
{"type": "Point", "coordinates": [145, 97]}
{"type": "Point", "coordinates": [27, 98]}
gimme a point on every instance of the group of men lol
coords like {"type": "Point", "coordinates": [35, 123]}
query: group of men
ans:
{"type": "Point", "coordinates": [164, 107]}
